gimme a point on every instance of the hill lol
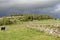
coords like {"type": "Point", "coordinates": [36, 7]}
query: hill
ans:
{"type": "Point", "coordinates": [30, 27]}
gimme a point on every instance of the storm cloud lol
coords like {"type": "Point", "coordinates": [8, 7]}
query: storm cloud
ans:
{"type": "Point", "coordinates": [29, 6]}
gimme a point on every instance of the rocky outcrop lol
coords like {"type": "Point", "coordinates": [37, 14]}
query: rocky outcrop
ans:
{"type": "Point", "coordinates": [53, 29]}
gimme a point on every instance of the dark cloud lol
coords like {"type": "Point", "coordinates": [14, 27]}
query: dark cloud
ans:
{"type": "Point", "coordinates": [29, 6]}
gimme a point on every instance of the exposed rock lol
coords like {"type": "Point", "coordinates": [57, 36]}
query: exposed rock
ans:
{"type": "Point", "coordinates": [50, 29]}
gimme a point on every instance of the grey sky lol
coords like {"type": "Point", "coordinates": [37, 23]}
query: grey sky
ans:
{"type": "Point", "coordinates": [27, 3]}
{"type": "Point", "coordinates": [29, 6]}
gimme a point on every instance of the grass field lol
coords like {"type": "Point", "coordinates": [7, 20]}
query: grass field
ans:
{"type": "Point", "coordinates": [19, 32]}
{"type": "Point", "coordinates": [51, 21]}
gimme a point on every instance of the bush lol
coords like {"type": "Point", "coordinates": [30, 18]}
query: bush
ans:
{"type": "Point", "coordinates": [1, 22]}
{"type": "Point", "coordinates": [22, 18]}
{"type": "Point", "coordinates": [6, 21]}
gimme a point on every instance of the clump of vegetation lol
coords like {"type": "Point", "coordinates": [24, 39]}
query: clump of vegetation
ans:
{"type": "Point", "coordinates": [1, 22]}
{"type": "Point", "coordinates": [16, 18]}
{"type": "Point", "coordinates": [31, 17]}
{"type": "Point", "coordinates": [6, 21]}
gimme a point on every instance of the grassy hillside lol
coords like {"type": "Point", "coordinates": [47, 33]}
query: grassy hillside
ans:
{"type": "Point", "coordinates": [20, 32]}
{"type": "Point", "coordinates": [30, 27]}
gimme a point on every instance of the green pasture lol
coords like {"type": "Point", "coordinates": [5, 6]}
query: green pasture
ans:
{"type": "Point", "coordinates": [20, 32]}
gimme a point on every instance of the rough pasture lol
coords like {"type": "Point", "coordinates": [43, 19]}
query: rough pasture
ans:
{"type": "Point", "coordinates": [32, 30]}
{"type": "Point", "coordinates": [21, 32]}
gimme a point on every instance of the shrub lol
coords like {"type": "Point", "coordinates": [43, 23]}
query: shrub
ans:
{"type": "Point", "coordinates": [6, 21]}
{"type": "Point", "coordinates": [1, 22]}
